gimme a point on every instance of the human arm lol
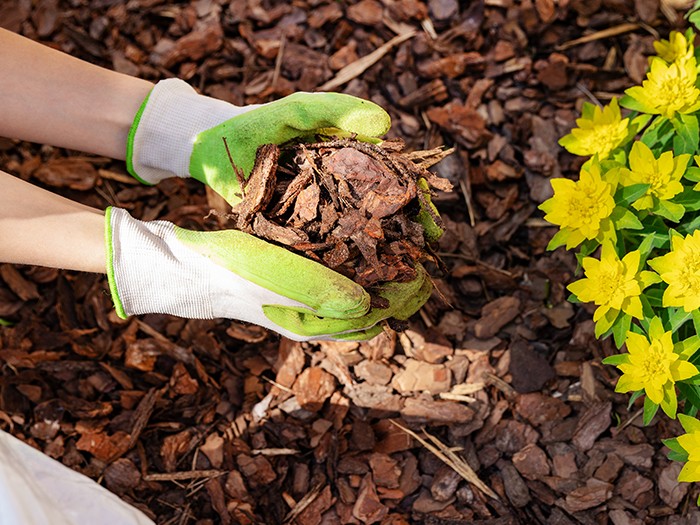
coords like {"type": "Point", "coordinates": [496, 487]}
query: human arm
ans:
{"type": "Point", "coordinates": [157, 267]}
{"type": "Point", "coordinates": [50, 97]}
{"type": "Point", "coordinates": [42, 228]}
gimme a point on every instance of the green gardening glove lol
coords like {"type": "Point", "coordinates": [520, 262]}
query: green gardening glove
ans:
{"type": "Point", "coordinates": [180, 133]}
{"type": "Point", "coordinates": [157, 267]}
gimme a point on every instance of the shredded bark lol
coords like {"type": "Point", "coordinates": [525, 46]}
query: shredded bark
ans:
{"type": "Point", "coordinates": [348, 204]}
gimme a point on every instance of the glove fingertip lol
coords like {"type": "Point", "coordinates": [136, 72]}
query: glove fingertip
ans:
{"type": "Point", "coordinates": [347, 301]}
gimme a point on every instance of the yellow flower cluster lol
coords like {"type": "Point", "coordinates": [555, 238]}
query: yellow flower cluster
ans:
{"type": "Point", "coordinates": [614, 285]}
{"type": "Point", "coordinates": [654, 366]}
{"type": "Point", "coordinates": [663, 175]}
{"type": "Point", "coordinates": [599, 131]}
{"type": "Point", "coordinates": [580, 208]}
{"type": "Point", "coordinates": [633, 215]}
{"type": "Point", "coordinates": [680, 269]}
{"type": "Point", "coordinates": [690, 443]}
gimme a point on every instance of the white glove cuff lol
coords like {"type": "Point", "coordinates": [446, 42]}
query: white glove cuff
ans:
{"type": "Point", "coordinates": [163, 133]}
{"type": "Point", "coordinates": [151, 272]}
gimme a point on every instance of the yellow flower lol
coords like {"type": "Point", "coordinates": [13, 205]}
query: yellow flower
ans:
{"type": "Point", "coordinates": [676, 49]}
{"type": "Point", "coordinates": [662, 174]}
{"type": "Point", "coordinates": [690, 442]}
{"type": "Point", "coordinates": [653, 366]}
{"type": "Point", "coordinates": [613, 284]}
{"type": "Point", "coordinates": [581, 208]}
{"type": "Point", "coordinates": [600, 130]}
{"type": "Point", "coordinates": [680, 268]}
{"type": "Point", "coordinates": [668, 89]}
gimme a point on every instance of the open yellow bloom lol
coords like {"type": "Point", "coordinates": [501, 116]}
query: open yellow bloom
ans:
{"type": "Point", "coordinates": [580, 208]}
{"type": "Point", "coordinates": [653, 366]}
{"type": "Point", "coordinates": [599, 131]}
{"type": "Point", "coordinates": [676, 49]}
{"type": "Point", "coordinates": [668, 89]}
{"type": "Point", "coordinates": [662, 174]}
{"type": "Point", "coordinates": [691, 444]}
{"type": "Point", "coordinates": [613, 284]}
{"type": "Point", "coordinates": [680, 268]}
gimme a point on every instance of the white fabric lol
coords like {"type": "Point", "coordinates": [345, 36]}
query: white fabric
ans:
{"type": "Point", "coordinates": [156, 273]}
{"type": "Point", "coordinates": [38, 490]}
{"type": "Point", "coordinates": [173, 117]}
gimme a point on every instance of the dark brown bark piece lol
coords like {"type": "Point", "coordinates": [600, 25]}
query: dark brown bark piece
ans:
{"type": "Point", "coordinates": [259, 186]}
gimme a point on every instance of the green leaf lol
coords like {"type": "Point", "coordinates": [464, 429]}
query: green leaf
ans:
{"type": "Point", "coordinates": [573, 299]}
{"type": "Point", "coordinates": [637, 124]}
{"type": "Point", "coordinates": [673, 444]}
{"type": "Point", "coordinates": [559, 239]}
{"type": "Point", "coordinates": [588, 110]}
{"type": "Point", "coordinates": [687, 134]}
{"type": "Point", "coordinates": [628, 194]}
{"type": "Point", "coordinates": [692, 174]}
{"type": "Point", "coordinates": [3, 322]}
{"type": "Point", "coordinates": [588, 247]}
{"type": "Point", "coordinates": [691, 226]}
{"type": "Point", "coordinates": [615, 359]}
{"type": "Point", "coordinates": [650, 410]}
{"type": "Point", "coordinates": [635, 395]}
{"type": "Point", "coordinates": [605, 323]}
{"type": "Point", "coordinates": [669, 404]}
{"type": "Point", "coordinates": [647, 309]}
{"type": "Point", "coordinates": [677, 317]}
{"type": "Point", "coordinates": [675, 456]}
{"type": "Point", "coordinates": [689, 199]}
{"type": "Point", "coordinates": [677, 452]}
{"type": "Point", "coordinates": [694, 18]}
{"type": "Point", "coordinates": [620, 329]}
{"type": "Point", "coordinates": [669, 210]}
{"type": "Point", "coordinates": [650, 242]}
{"type": "Point", "coordinates": [690, 392]}
{"type": "Point", "coordinates": [624, 219]}
{"type": "Point", "coordinates": [631, 103]}
{"type": "Point", "coordinates": [696, 321]}
{"type": "Point", "coordinates": [654, 296]}
{"type": "Point", "coordinates": [687, 347]}
{"type": "Point", "coordinates": [658, 133]}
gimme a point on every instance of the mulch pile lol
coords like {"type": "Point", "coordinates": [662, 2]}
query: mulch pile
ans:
{"type": "Point", "coordinates": [492, 407]}
{"type": "Point", "coordinates": [349, 205]}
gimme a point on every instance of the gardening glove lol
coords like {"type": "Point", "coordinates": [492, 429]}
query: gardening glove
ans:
{"type": "Point", "coordinates": [38, 490]}
{"type": "Point", "coordinates": [178, 132]}
{"type": "Point", "coordinates": [157, 267]}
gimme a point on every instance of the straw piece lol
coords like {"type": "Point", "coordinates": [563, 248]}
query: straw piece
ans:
{"type": "Point", "coordinates": [599, 35]}
{"type": "Point", "coordinates": [451, 459]}
{"type": "Point", "coordinates": [362, 64]}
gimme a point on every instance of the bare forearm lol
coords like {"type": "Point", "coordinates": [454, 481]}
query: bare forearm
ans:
{"type": "Point", "coordinates": [52, 98]}
{"type": "Point", "coordinates": [41, 228]}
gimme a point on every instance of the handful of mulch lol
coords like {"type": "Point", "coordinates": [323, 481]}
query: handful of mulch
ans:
{"type": "Point", "coordinates": [350, 205]}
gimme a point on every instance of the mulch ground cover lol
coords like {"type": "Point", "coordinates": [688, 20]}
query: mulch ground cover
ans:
{"type": "Point", "coordinates": [492, 407]}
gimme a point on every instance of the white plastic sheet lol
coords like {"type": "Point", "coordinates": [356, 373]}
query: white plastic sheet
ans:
{"type": "Point", "coordinates": [37, 490]}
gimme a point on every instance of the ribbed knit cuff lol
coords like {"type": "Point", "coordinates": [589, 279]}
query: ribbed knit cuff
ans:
{"type": "Point", "coordinates": [164, 129]}
{"type": "Point", "coordinates": [150, 271]}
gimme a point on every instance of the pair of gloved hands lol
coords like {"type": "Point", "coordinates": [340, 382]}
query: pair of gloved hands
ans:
{"type": "Point", "coordinates": [157, 267]}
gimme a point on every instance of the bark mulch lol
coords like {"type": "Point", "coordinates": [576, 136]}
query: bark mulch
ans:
{"type": "Point", "coordinates": [492, 407]}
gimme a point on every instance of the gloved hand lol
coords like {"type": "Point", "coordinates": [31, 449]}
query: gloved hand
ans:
{"type": "Point", "coordinates": [178, 132]}
{"type": "Point", "coordinates": [157, 267]}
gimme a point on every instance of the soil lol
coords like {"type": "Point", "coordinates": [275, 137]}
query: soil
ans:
{"type": "Point", "coordinates": [492, 407]}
